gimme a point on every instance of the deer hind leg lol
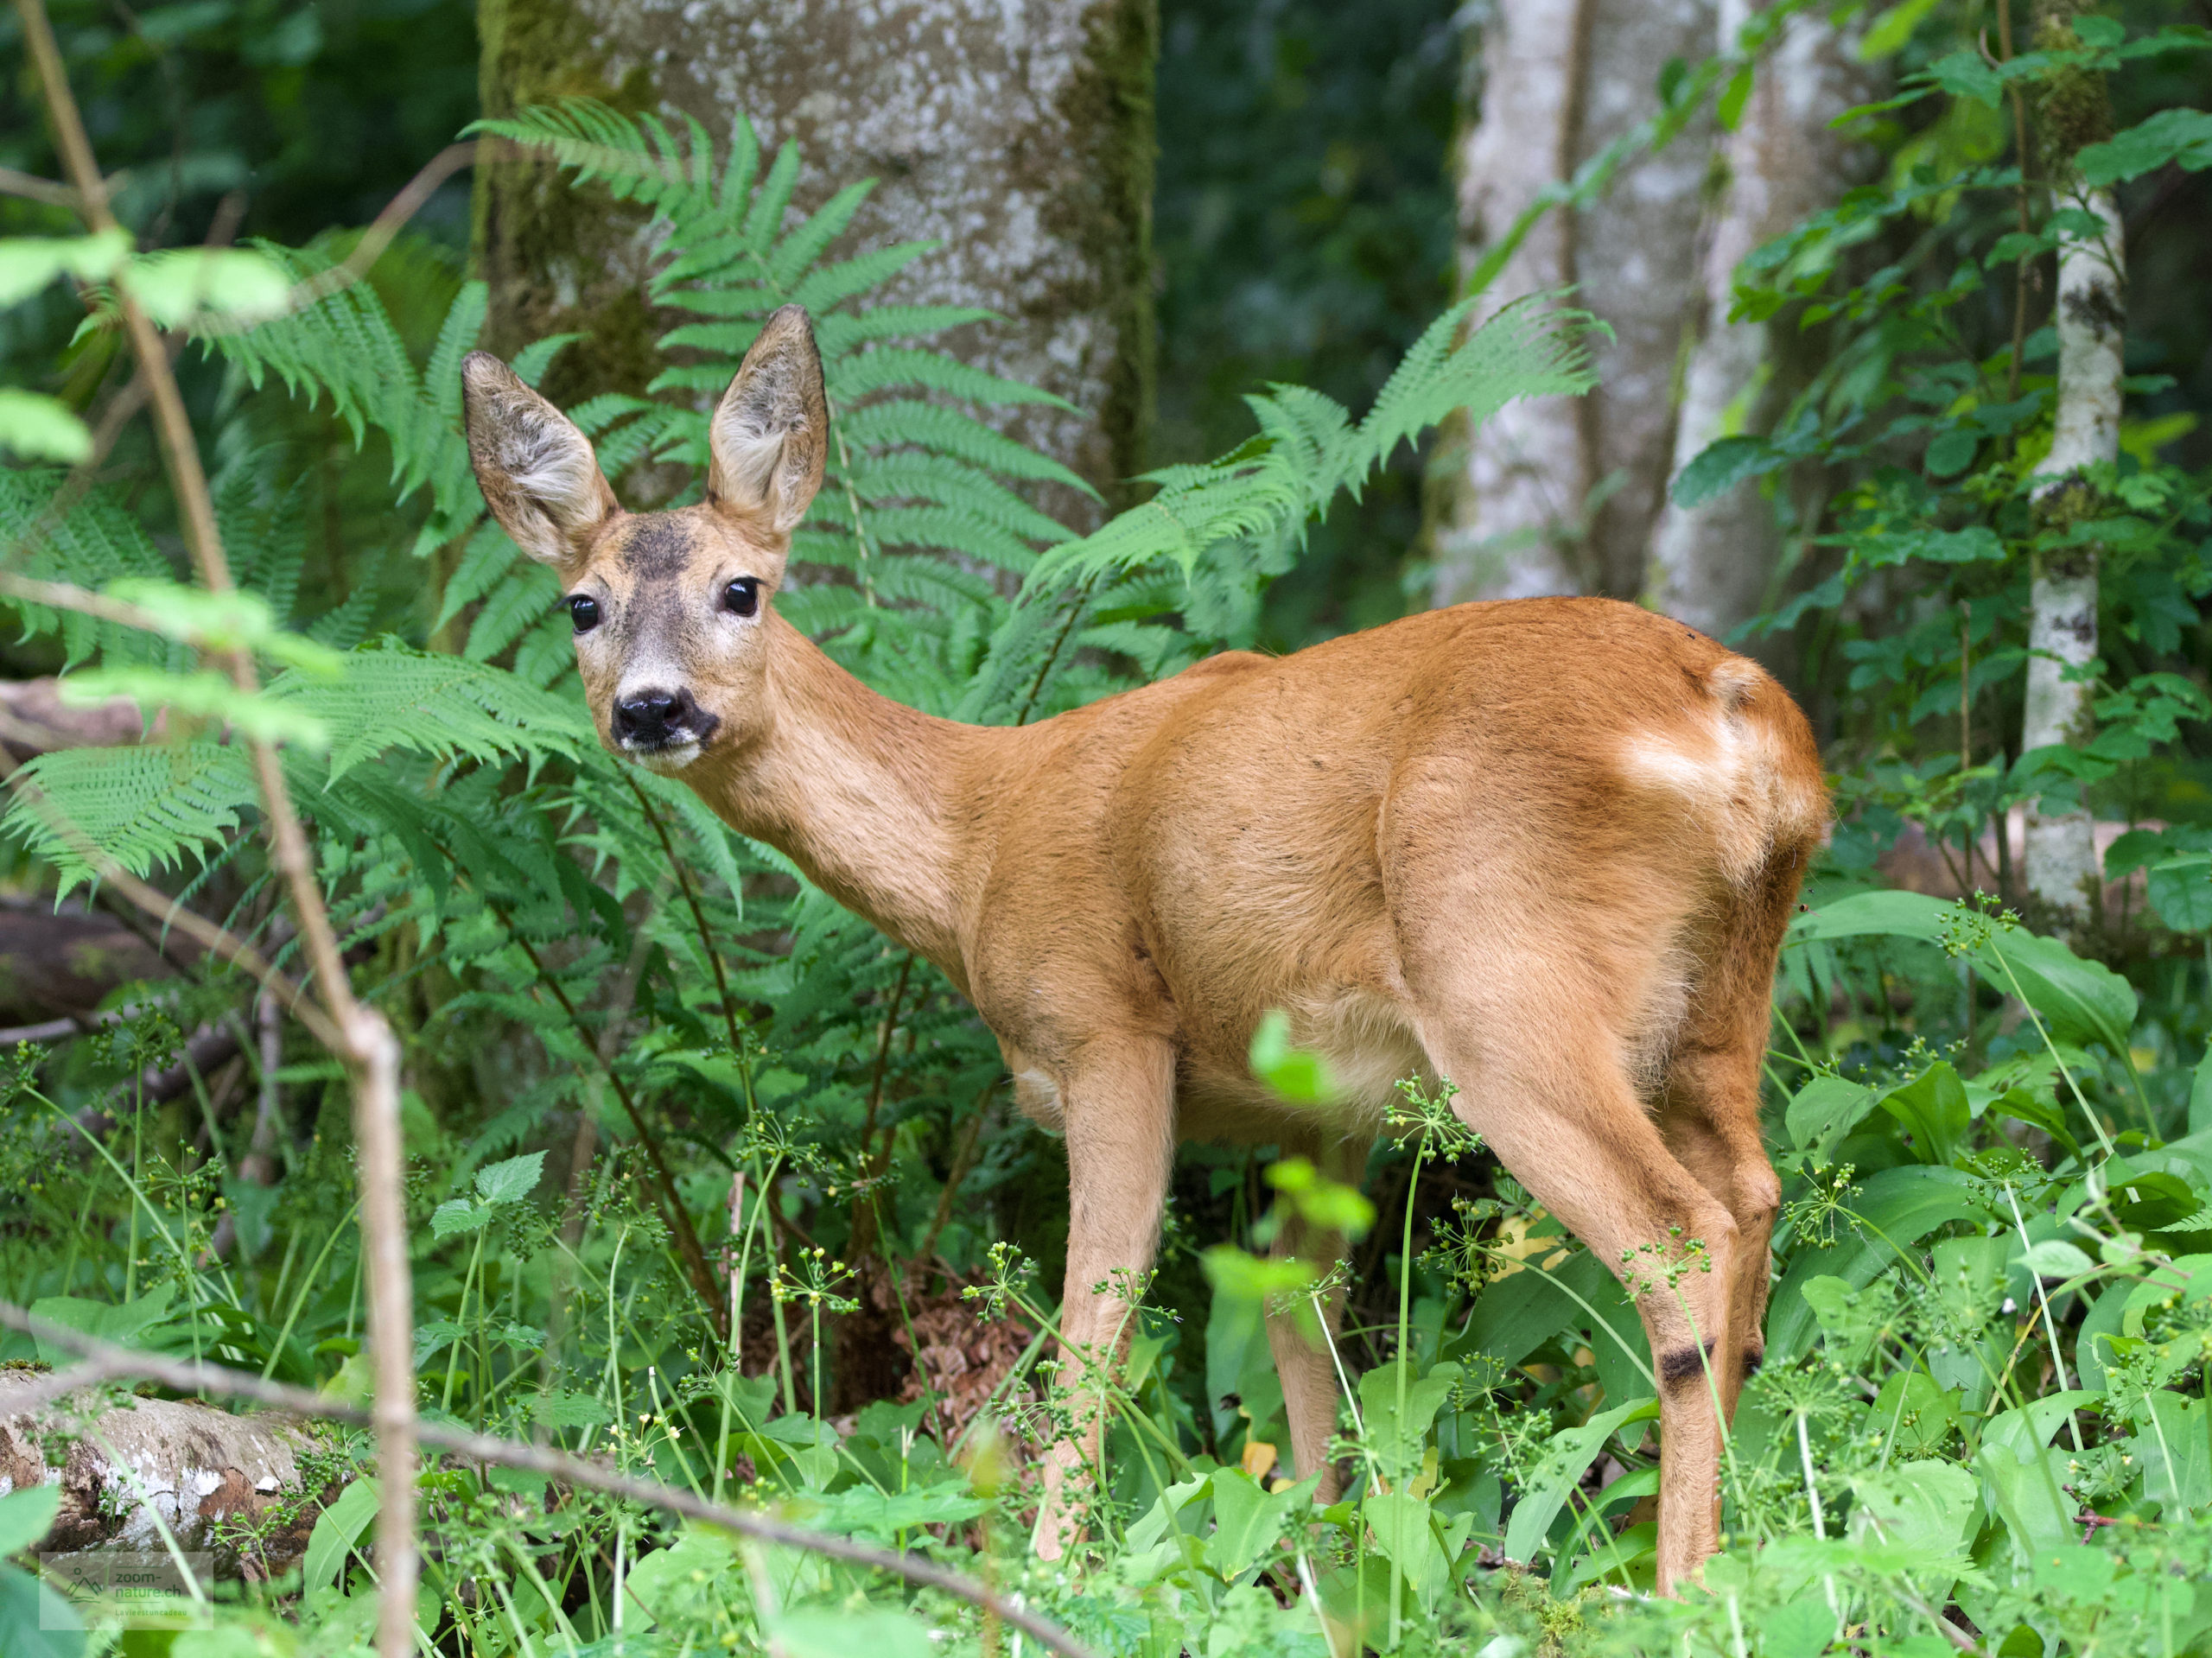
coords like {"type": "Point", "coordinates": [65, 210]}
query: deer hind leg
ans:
{"type": "Point", "coordinates": [1117, 1099]}
{"type": "Point", "coordinates": [1708, 1098]}
{"type": "Point", "coordinates": [1303, 1363]}
{"type": "Point", "coordinates": [1708, 1115]}
{"type": "Point", "coordinates": [1549, 1093]}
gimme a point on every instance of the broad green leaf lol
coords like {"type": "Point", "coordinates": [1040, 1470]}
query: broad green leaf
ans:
{"type": "Point", "coordinates": [338, 1528]}
{"type": "Point", "coordinates": [562, 1408]}
{"type": "Point", "coordinates": [2055, 1258]}
{"type": "Point", "coordinates": [2077, 998]}
{"type": "Point", "coordinates": [2026, 1488]}
{"type": "Point", "coordinates": [2027, 1429]}
{"type": "Point", "coordinates": [511, 1181]}
{"type": "Point", "coordinates": [255, 715]}
{"type": "Point", "coordinates": [1405, 1530]}
{"type": "Point", "coordinates": [1394, 1442]}
{"type": "Point", "coordinates": [34, 426]}
{"type": "Point", "coordinates": [179, 284]}
{"type": "Point", "coordinates": [863, 1508]}
{"type": "Point", "coordinates": [1894, 1210]}
{"type": "Point", "coordinates": [2171, 1448]}
{"type": "Point", "coordinates": [125, 1325]}
{"type": "Point", "coordinates": [2182, 137]}
{"type": "Point", "coordinates": [30, 262]}
{"type": "Point", "coordinates": [668, 1581]}
{"type": "Point", "coordinates": [2181, 892]}
{"type": "Point", "coordinates": [1566, 1458]}
{"type": "Point", "coordinates": [39, 1620]}
{"type": "Point", "coordinates": [821, 1632]}
{"type": "Point", "coordinates": [1823, 1112]}
{"type": "Point", "coordinates": [1885, 37]}
{"type": "Point", "coordinates": [1932, 1111]}
{"type": "Point", "coordinates": [458, 1215]}
{"type": "Point", "coordinates": [1248, 1519]}
{"type": "Point", "coordinates": [1926, 1508]}
{"type": "Point", "coordinates": [27, 1515]}
{"type": "Point", "coordinates": [1299, 1076]}
{"type": "Point", "coordinates": [1722, 465]}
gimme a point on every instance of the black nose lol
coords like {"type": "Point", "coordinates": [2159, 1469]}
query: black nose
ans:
{"type": "Point", "coordinates": [652, 719]}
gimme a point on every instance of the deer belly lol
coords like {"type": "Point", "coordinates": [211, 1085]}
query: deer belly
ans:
{"type": "Point", "coordinates": [1366, 1044]}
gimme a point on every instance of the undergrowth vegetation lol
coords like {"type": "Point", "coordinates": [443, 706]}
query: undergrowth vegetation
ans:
{"type": "Point", "coordinates": [710, 1183]}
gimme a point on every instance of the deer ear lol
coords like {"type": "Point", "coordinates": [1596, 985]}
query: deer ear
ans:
{"type": "Point", "coordinates": [771, 431]}
{"type": "Point", "coordinates": [537, 470]}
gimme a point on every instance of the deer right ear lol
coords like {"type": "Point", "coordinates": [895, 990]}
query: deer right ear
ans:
{"type": "Point", "coordinates": [536, 469]}
{"type": "Point", "coordinates": [770, 433]}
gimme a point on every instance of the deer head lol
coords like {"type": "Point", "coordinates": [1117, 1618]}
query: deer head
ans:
{"type": "Point", "coordinates": [670, 609]}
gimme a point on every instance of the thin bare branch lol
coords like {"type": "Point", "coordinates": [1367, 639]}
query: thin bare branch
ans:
{"type": "Point", "coordinates": [357, 1034]}
{"type": "Point", "coordinates": [31, 187]}
{"type": "Point", "coordinates": [106, 1362]}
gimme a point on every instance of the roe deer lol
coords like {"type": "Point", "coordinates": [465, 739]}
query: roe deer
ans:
{"type": "Point", "coordinates": [1546, 848]}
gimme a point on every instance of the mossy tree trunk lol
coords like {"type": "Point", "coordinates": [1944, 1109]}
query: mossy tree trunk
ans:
{"type": "Point", "coordinates": [1017, 135]}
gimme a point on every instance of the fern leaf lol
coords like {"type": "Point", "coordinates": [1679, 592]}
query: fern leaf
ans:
{"type": "Point", "coordinates": [456, 339]}
{"type": "Point", "coordinates": [524, 594]}
{"type": "Point", "coordinates": [854, 376]}
{"type": "Point", "coordinates": [932, 426]}
{"type": "Point", "coordinates": [149, 807]}
{"type": "Point", "coordinates": [841, 332]}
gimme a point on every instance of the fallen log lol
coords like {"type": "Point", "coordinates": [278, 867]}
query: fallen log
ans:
{"type": "Point", "coordinates": [128, 1469]}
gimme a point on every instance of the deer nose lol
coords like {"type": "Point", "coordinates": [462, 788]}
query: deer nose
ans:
{"type": "Point", "coordinates": [651, 719]}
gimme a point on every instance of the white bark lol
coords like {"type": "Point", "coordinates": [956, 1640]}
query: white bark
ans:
{"type": "Point", "coordinates": [2062, 867]}
{"type": "Point", "coordinates": [1711, 565]}
{"type": "Point", "coordinates": [1557, 495]}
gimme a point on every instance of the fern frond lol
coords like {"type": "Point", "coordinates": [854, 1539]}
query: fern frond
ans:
{"type": "Point", "coordinates": [863, 372]}
{"type": "Point", "coordinates": [456, 339]}
{"type": "Point", "coordinates": [524, 593]}
{"type": "Point", "coordinates": [151, 807]}
{"type": "Point", "coordinates": [444, 707]}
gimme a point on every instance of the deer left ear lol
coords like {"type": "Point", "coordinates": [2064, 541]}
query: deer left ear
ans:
{"type": "Point", "coordinates": [770, 433]}
{"type": "Point", "coordinates": [537, 470]}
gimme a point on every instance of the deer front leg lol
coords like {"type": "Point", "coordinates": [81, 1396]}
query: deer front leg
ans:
{"type": "Point", "coordinates": [1118, 1105]}
{"type": "Point", "coordinates": [1303, 1363]}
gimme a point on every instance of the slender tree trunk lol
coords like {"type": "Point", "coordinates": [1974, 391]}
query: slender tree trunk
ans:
{"type": "Point", "coordinates": [1558, 496]}
{"type": "Point", "coordinates": [1018, 135]}
{"type": "Point", "coordinates": [1712, 565]}
{"type": "Point", "coordinates": [2091, 317]}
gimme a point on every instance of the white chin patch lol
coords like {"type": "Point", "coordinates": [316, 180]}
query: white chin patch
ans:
{"type": "Point", "coordinates": [666, 761]}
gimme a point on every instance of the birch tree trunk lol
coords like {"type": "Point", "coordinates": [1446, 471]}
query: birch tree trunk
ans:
{"type": "Point", "coordinates": [2061, 857]}
{"type": "Point", "coordinates": [1712, 565]}
{"type": "Point", "coordinates": [1558, 496]}
{"type": "Point", "coordinates": [1017, 133]}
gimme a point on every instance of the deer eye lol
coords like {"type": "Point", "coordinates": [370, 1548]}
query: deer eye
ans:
{"type": "Point", "coordinates": [583, 612]}
{"type": "Point", "coordinates": [742, 595]}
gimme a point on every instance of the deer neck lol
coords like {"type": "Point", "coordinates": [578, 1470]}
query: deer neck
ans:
{"type": "Point", "coordinates": [863, 793]}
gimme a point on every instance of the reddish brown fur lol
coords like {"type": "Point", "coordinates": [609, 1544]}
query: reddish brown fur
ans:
{"type": "Point", "coordinates": [1546, 849]}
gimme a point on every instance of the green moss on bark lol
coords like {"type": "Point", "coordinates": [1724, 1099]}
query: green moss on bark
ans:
{"type": "Point", "coordinates": [1111, 97]}
{"type": "Point", "coordinates": [559, 260]}
{"type": "Point", "coordinates": [2072, 105]}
